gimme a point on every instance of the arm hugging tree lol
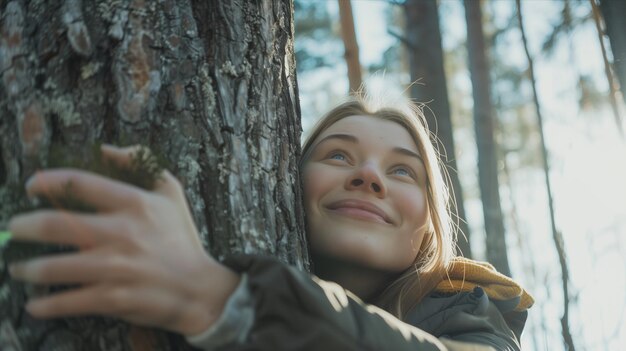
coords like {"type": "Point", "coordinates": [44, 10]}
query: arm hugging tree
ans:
{"type": "Point", "coordinates": [210, 84]}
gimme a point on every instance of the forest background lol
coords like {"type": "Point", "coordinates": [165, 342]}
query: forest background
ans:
{"type": "Point", "coordinates": [581, 122]}
{"type": "Point", "coordinates": [212, 85]}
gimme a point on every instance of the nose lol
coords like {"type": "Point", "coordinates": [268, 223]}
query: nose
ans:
{"type": "Point", "coordinates": [367, 178]}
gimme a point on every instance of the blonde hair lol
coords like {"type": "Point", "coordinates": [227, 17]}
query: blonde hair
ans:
{"type": "Point", "coordinates": [437, 249]}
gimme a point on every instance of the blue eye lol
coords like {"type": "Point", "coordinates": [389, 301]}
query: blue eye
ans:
{"type": "Point", "coordinates": [337, 156]}
{"type": "Point", "coordinates": [401, 171]}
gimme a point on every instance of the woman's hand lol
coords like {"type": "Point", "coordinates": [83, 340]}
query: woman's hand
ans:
{"type": "Point", "coordinates": [140, 258]}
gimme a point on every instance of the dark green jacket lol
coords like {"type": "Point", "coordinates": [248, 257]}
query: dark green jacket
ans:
{"type": "Point", "coordinates": [295, 311]}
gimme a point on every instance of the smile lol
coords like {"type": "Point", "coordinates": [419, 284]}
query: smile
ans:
{"type": "Point", "coordinates": [360, 210]}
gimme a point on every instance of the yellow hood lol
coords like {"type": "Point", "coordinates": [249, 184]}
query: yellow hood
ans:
{"type": "Point", "coordinates": [465, 274]}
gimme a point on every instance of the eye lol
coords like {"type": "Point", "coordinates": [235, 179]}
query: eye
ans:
{"type": "Point", "coordinates": [339, 156]}
{"type": "Point", "coordinates": [403, 171]}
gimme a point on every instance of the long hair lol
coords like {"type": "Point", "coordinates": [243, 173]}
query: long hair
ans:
{"type": "Point", "coordinates": [437, 248]}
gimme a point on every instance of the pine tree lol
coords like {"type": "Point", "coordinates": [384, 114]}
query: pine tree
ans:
{"type": "Point", "coordinates": [211, 84]}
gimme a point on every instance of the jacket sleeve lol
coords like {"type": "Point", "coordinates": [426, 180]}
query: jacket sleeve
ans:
{"type": "Point", "coordinates": [294, 311]}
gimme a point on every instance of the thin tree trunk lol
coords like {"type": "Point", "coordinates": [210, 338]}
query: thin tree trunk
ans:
{"type": "Point", "coordinates": [613, 88]}
{"type": "Point", "coordinates": [614, 15]}
{"type": "Point", "coordinates": [521, 241]}
{"type": "Point", "coordinates": [351, 45]}
{"type": "Point", "coordinates": [423, 36]}
{"type": "Point", "coordinates": [484, 117]}
{"type": "Point", "coordinates": [557, 236]}
{"type": "Point", "coordinates": [211, 84]}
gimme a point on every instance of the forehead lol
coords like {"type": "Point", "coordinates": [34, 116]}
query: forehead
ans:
{"type": "Point", "coordinates": [368, 128]}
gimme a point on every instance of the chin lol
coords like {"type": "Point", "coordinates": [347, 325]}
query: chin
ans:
{"type": "Point", "coordinates": [361, 253]}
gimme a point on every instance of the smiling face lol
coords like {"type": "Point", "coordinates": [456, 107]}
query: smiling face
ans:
{"type": "Point", "coordinates": [365, 193]}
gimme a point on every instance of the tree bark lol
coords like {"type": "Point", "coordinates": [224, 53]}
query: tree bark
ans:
{"type": "Point", "coordinates": [423, 35]}
{"type": "Point", "coordinates": [484, 117]}
{"type": "Point", "coordinates": [351, 45]}
{"type": "Point", "coordinates": [211, 84]}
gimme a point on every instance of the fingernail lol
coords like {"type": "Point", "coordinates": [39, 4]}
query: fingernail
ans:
{"type": "Point", "coordinates": [30, 182]}
{"type": "Point", "coordinates": [37, 308]}
{"type": "Point", "coordinates": [13, 269]}
{"type": "Point", "coordinates": [12, 223]}
{"type": "Point", "coordinates": [29, 308]}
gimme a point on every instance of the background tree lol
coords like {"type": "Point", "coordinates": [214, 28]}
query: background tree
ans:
{"type": "Point", "coordinates": [608, 69]}
{"type": "Point", "coordinates": [614, 14]}
{"type": "Point", "coordinates": [351, 44]}
{"type": "Point", "coordinates": [318, 48]}
{"type": "Point", "coordinates": [557, 236]}
{"type": "Point", "coordinates": [517, 149]}
{"type": "Point", "coordinates": [586, 156]}
{"type": "Point", "coordinates": [314, 25]}
{"type": "Point", "coordinates": [426, 60]}
{"type": "Point", "coordinates": [211, 85]}
{"type": "Point", "coordinates": [484, 119]}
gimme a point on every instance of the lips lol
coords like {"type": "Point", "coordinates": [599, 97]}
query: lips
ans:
{"type": "Point", "coordinates": [361, 209]}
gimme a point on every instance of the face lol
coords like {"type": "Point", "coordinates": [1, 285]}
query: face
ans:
{"type": "Point", "coordinates": [365, 195]}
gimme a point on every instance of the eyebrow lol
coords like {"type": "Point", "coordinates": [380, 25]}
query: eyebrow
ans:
{"type": "Point", "coordinates": [407, 152]}
{"type": "Point", "coordinates": [352, 139]}
{"type": "Point", "coordinates": [345, 137]}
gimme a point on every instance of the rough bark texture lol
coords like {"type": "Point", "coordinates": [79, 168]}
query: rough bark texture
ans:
{"type": "Point", "coordinates": [209, 83]}
{"type": "Point", "coordinates": [484, 126]}
{"type": "Point", "coordinates": [423, 36]}
{"type": "Point", "coordinates": [614, 14]}
{"type": "Point", "coordinates": [351, 45]}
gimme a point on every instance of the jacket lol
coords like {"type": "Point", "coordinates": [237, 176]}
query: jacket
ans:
{"type": "Point", "coordinates": [282, 308]}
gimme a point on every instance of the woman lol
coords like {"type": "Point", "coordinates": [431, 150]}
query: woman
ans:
{"type": "Point", "coordinates": [378, 224]}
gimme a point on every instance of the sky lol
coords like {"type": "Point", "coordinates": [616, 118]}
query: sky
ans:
{"type": "Point", "coordinates": [586, 155]}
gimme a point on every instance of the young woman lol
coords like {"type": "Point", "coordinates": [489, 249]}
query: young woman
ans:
{"type": "Point", "coordinates": [381, 241]}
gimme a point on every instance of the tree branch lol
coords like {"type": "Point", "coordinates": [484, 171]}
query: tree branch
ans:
{"type": "Point", "coordinates": [402, 38]}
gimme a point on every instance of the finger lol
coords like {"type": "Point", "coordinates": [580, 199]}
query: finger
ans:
{"type": "Point", "coordinates": [139, 306]}
{"type": "Point", "coordinates": [80, 301]}
{"type": "Point", "coordinates": [66, 228]}
{"type": "Point", "coordinates": [121, 155]}
{"type": "Point", "coordinates": [166, 183]}
{"type": "Point", "coordinates": [103, 193]}
{"type": "Point", "coordinates": [74, 268]}
{"type": "Point", "coordinates": [169, 186]}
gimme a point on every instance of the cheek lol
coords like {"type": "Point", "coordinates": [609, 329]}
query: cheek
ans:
{"type": "Point", "coordinates": [414, 207]}
{"type": "Point", "coordinates": [313, 185]}
{"type": "Point", "coordinates": [317, 182]}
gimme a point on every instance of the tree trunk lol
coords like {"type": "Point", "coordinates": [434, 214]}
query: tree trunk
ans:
{"type": "Point", "coordinates": [423, 36]}
{"type": "Point", "coordinates": [614, 14]}
{"type": "Point", "coordinates": [557, 236]}
{"type": "Point", "coordinates": [351, 45]}
{"type": "Point", "coordinates": [211, 84]}
{"type": "Point", "coordinates": [484, 126]}
{"type": "Point", "coordinates": [608, 70]}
